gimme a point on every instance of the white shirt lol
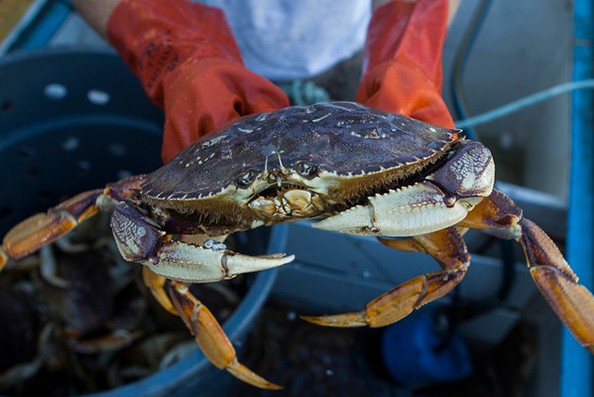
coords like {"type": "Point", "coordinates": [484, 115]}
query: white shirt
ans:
{"type": "Point", "coordinates": [294, 39]}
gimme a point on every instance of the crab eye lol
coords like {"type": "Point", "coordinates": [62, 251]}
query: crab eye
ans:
{"type": "Point", "coordinates": [246, 179]}
{"type": "Point", "coordinates": [305, 169]}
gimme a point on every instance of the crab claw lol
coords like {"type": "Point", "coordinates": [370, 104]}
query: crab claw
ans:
{"type": "Point", "coordinates": [140, 240]}
{"type": "Point", "coordinates": [408, 211]}
{"type": "Point", "coordinates": [441, 200]}
{"type": "Point", "coordinates": [182, 261]}
{"type": "Point", "coordinates": [239, 263]}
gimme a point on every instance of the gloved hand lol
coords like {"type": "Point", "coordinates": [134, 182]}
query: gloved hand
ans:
{"type": "Point", "coordinates": [189, 65]}
{"type": "Point", "coordinates": [402, 70]}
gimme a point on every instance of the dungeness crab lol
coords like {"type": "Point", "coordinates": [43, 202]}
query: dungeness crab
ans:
{"type": "Point", "coordinates": [355, 169]}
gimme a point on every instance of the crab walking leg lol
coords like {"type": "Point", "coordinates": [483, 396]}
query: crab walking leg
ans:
{"type": "Point", "coordinates": [45, 228]}
{"type": "Point", "coordinates": [155, 284]}
{"type": "Point", "coordinates": [447, 247]}
{"type": "Point", "coordinates": [211, 337]}
{"type": "Point", "coordinates": [572, 302]}
{"type": "Point", "coordinates": [140, 240]}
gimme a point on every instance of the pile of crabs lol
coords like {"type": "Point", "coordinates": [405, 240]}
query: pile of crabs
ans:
{"type": "Point", "coordinates": [77, 319]}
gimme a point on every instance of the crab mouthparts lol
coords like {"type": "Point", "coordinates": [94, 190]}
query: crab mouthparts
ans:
{"type": "Point", "coordinates": [286, 200]}
{"type": "Point", "coordinates": [278, 188]}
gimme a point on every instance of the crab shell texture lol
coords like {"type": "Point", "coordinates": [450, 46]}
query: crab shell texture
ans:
{"type": "Point", "coordinates": [315, 162]}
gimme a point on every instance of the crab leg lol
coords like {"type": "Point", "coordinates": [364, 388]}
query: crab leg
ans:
{"type": "Point", "coordinates": [211, 337]}
{"type": "Point", "coordinates": [155, 284]}
{"type": "Point", "coordinates": [447, 247]}
{"type": "Point", "coordinates": [44, 228]}
{"type": "Point", "coordinates": [202, 324]}
{"type": "Point", "coordinates": [572, 302]}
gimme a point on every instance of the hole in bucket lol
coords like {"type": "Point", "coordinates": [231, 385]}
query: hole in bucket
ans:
{"type": "Point", "coordinates": [98, 97]}
{"type": "Point", "coordinates": [71, 143]}
{"type": "Point", "coordinates": [83, 167]}
{"type": "Point", "coordinates": [5, 212]}
{"type": "Point", "coordinates": [55, 91]}
{"type": "Point", "coordinates": [26, 152]}
{"type": "Point", "coordinates": [32, 172]}
{"type": "Point", "coordinates": [6, 105]}
{"type": "Point", "coordinates": [117, 149]}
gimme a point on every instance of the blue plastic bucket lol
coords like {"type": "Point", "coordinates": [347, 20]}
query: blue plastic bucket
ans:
{"type": "Point", "coordinates": [74, 120]}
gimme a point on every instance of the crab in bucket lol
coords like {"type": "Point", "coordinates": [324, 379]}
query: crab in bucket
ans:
{"type": "Point", "coordinates": [351, 169]}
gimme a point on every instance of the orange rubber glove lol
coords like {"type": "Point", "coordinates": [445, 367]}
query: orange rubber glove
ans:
{"type": "Point", "coordinates": [190, 66]}
{"type": "Point", "coordinates": [403, 71]}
